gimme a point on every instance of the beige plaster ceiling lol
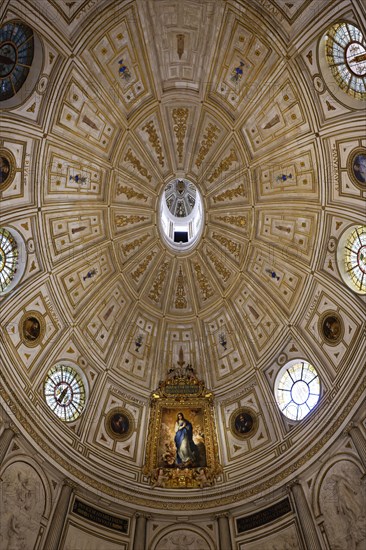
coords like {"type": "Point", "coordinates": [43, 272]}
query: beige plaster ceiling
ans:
{"type": "Point", "coordinates": [97, 267]}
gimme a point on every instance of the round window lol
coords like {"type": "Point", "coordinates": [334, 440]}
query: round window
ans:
{"type": "Point", "coordinates": [64, 391]}
{"type": "Point", "coordinates": [297, 389]}
{"type": "Point", "coordinates": [8, 259]}
{"type": "Point", "coordinates": [346, 56]}
{"type": "Point", "coordinates": [351, 255]}
{"type": "Point", "coordinates": [181, 216]}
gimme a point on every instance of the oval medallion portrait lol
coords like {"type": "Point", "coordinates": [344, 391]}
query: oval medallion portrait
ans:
{"type": "Point", "coordinates": [32, 328]}
{"type": "Point", "coordinates": [119, 423]}
{"type": "Point", "coordinates": [356, 167]}
{"type": "Point", "coordinates": [243, 423]}
{"type": "Point", "coordinates": [331, 327]}
{"type": "Point", "coordinates": [7, 168]}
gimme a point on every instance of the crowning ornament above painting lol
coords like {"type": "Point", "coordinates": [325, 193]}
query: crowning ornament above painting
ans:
{"type": "Point", "coordinates": [182, 449]}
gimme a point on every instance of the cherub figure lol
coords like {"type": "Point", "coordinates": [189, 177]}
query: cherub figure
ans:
{"type": "Point", "coordinates": [160, 478]}
{"type": "Point", "coordinates": [204, 479]}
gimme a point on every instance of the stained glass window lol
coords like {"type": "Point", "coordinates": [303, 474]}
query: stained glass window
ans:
{"type": "Point", "coordinates": [346, 56]}
{"type": "Point", "coordinates": [64, 392]}
{"type": "Point", "coordinates": [297, 389]}
{"type": "Point", "coordinates": [355, 258]}
{"type": "Point", "coordinates": [8, 258]}
{"type": "Point", "coordinates": [16, 57]}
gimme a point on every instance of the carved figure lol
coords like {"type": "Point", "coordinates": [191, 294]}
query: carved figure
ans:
{"type": "Point", "coordinates": [205, 480]}
{"type": "Point", "coordinates": [160, 478]}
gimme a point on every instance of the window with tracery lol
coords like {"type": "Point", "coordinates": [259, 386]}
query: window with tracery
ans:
{"type": "Point", "coordinates": [64, 391]}
{"type": "Point", "coordinates": [16, 57]}
{"type": "Point", "coordinates": [355, 258]}
{"type": "Point", "coordinates": [346, 56]}
{"type": "Point", "coordinates": [297, 389]}
{"type": "Point", "coordinates": [8, 258]}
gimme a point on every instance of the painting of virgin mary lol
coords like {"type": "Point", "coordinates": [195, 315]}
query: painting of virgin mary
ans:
{"type": "Point", "coordinates": [187, 450]}
{"type": "Point", "coordinates": [182, 439]}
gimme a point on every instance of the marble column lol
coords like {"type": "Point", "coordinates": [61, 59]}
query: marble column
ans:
{"type": "Point", "coordinates": [224, 531]}
{"type": "Point", "coordinates": [58, 520]}
{"type": "Point", "coordinates": [5, 439]}
{"type": "Point", "coordinates": [139, 541]}
{"type": "Point", "coordinates": [305, 518]}
{"type": "Point", "coordinates": [358, 440]}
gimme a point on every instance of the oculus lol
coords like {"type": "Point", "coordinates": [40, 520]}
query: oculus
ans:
{"type": "Point", "coordinates": [119, 424]}
{"type": "Point", "coordinates": [356, 167]}
{"type": "Point", "coordinates": [8, 259]}
{"type": "Point", "coordinates": [243, 423]}
{"type": "Point", "coordinates": [346, 56]}
{"type": "Point", "coordinates": [297, 389]}
{"type": "Point", "coordinates": [32, 328]}
{"type": "Point", "coordinates": [351, 255]}
{"type": "Point", "coordinates": [331, 327]}
{"type": "Point", "coordinates": [64, 392]}
{"type": "Point", "coordinates": [181, 215]}
{"type": "Point", "coordinates": [7, 168]}
{"type": "Point", "coordinates": [16, 57]}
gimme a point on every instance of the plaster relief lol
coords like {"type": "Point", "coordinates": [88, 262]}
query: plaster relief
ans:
{"type": "Point", "coordinates": [22, 505]}
{"type": "Point", "coordinates": [343, 505]}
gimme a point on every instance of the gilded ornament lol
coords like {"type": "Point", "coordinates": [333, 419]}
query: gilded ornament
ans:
{"type": "Point", "coordinates": [230, 194]}
{"type": "Point", "coordinates": [180, 116]}
{"type": "Point", "coordinates": [182, 449]}
{"type": "Point", "coordinates": [180, 295]}
{"type": "Point", "coordinates": [130, 193]}
{"type": "Point", "coordinates": [224, 165]}
{"type": "Point", "coordinates": [219, 266]}
{"type": "Point", "coordinates": [142, 267]}
{"type": "Point", "coordinates": [211, 134]}
{"type": "Point", "coordinates": [154, 140]}
{"type": "Point", "coordinates": [157, 287]}
{"type": "Point", "coordinates": [230, 245]}
{"type": "Point", "coordinates": [206, 289]}
{"type": "Point", "coordinates": [122, 221]}
{"type": "Point", "coordinates": [239, 221]}
{"type": "Point", "coordinates": [137, 164]}
{"type": "Point", "coordinates": [126, 248]}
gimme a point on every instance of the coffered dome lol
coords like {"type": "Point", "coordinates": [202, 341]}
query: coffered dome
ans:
{"type": "Point", "coordinates": [181, 176]}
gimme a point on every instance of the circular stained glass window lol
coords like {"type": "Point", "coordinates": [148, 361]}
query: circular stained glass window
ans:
{"type": "Point", "coordinates": [64, 391]}
{"type": "Point", "coordinates": [181, 214]}
{"type": "Point", "coordinates": [8, 258]}
{"type": "Point", "coordinates": [353, 248]}
{"type": "Point", "coordinates": [297, 389]}
{"type": "Point", "coordinates": [346, 56]}
{"type": "Point", "coordinates": [16, 57]}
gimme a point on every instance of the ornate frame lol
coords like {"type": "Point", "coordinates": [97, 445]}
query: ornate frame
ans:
{"type": "Point", "coordinates": [188, 395]}
{"type": "Point", "coordinates": [254, 428]}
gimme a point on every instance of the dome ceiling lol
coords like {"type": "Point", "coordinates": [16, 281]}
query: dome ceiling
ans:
{"type": "Point", "coordinates": [163, 91]}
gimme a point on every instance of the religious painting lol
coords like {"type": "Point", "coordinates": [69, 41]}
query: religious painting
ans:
{"type": "Point", "coordinates": [7, 168]}
{"type": "Point", "coordinates": [243, 423]}
{"type": "Point", "coordinates": [356, 166]}
{"type": "Point", "coordinates": [32, 328]}
{"type": "Point", "coordinates": [182, 446]}
{"type": "Point", "coordinates": [119, 423]}
{"type": "Point", "coordinates": [331, 327]}
{"type": "Point", "coordinates": [182, 442]}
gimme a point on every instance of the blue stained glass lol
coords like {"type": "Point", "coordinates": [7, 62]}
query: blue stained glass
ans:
{"type": "Point", "coordinates": [17, 50]}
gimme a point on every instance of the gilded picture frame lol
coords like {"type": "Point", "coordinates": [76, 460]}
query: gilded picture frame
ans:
{"type": "Point", "coordinates": [182, 450]}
